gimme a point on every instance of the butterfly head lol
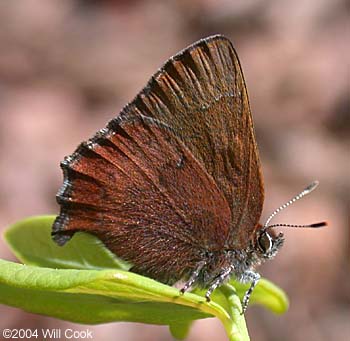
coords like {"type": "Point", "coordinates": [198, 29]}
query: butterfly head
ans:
{"type": "Point", "coordinates": [267, 243]}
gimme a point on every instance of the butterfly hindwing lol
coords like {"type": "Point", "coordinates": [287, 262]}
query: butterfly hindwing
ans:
{"type": "Point", "coordinates": [141, 191]}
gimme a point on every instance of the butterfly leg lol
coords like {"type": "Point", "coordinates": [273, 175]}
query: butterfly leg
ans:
{"type": "Point", "coordinates": [253, 277]}
{"type": "Point", "coordinates": [194, 276]}
{"type": "Point", "coordinates": [218, 280]}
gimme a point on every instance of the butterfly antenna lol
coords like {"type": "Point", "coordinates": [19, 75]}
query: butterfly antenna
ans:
{"type": "Point", "coordinates": [304, 192]}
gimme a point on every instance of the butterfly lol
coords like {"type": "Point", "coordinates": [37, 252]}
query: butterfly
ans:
{"type": "Point", "coordinates": [173, 183]}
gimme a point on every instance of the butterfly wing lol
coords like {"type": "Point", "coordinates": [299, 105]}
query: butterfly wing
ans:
{"type": "Point", "coordinates": [140, 190]}
{"type": "Point", "coordinates": [201, 94]}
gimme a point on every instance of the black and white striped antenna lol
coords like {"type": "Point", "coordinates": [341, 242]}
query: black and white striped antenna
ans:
{"type": "Point", "coordinates": [304, 192]}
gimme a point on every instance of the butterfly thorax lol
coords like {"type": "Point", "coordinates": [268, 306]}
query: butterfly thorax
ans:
{"type": "Point", "coordinates": [239, 264]}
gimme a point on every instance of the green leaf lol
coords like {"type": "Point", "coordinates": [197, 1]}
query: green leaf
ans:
{"type": "Point", "coordinates": [30, 240]}
{"type": "Point", "coordinates": [86, 286]}
{"type": "Point", "coordinates": [180, 330]}
{"type": "Point", "coordinates": [100, 296]}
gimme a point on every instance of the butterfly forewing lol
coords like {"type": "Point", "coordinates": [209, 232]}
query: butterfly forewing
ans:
{"type": "Point", "coordinates": [201, 94]}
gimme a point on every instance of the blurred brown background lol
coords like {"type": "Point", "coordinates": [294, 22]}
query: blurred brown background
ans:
{"type": "Point", "coordinates": [67, 67]}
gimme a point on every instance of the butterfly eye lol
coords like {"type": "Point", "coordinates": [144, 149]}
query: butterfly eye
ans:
{"type": "Point", "coordinates": [265, 242]}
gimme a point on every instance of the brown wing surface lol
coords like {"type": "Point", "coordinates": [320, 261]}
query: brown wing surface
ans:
{"type": "Point", "coordinates": [139, 188]}
{"type": "Point", "coordinates": [201, 94]}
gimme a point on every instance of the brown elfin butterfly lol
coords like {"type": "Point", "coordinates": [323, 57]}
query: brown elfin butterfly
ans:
{"type": "Point", "coordinates": [173, 184]}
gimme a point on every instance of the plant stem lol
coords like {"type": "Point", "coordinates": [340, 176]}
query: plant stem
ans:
{"type": "Point", "coordinates": [235, 327]}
